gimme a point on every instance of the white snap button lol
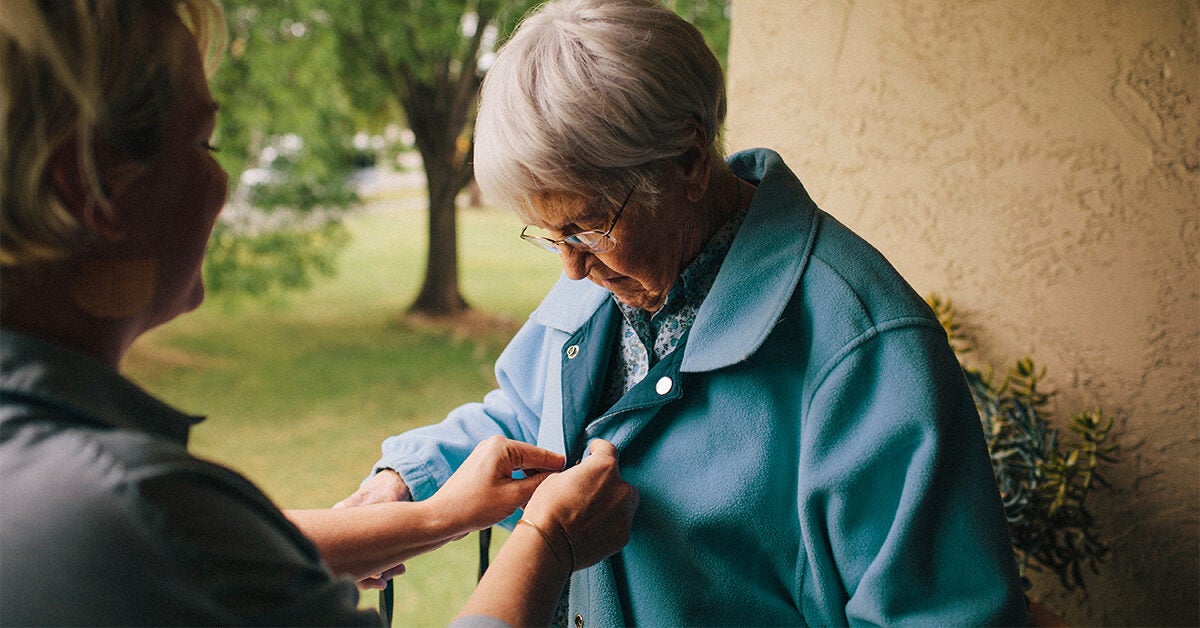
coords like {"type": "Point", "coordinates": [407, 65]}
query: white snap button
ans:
{"type": "Point", "coordinates": [664, 386]}
{"type": "Point", "coordinates": [572, 351]}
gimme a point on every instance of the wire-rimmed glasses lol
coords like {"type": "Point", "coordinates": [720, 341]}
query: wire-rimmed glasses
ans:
{"type": "Point", "coordinates": [593, 240]}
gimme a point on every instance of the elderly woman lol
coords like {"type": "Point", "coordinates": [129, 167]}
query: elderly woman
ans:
{"type": "Point", "coordinates": [109, 193]}
{"type": "Point", "coordinates": [805, 446]}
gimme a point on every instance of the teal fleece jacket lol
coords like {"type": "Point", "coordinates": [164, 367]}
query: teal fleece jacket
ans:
{"type": "Point", "coordinates": [810, 456]}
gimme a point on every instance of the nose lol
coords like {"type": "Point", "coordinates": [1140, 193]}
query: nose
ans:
{"type": "Point", "coordinates": [574, 261]}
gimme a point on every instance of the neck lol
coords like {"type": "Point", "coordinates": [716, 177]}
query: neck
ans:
{"type": "Point", "coordinates": [41, 304]}
{"type": "Point", "coordinates": [721, 202]}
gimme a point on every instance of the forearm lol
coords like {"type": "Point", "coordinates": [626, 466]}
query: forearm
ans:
{"type": "Point", "coordinates": [365, 540]}
{"type": "Point", "coordinates": [523, 584]}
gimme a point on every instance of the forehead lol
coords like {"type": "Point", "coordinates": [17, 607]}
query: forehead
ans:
{"type": "Point", "coordinates": [192, 98]}
{"type": "Point", "coordinates": [183, 55]}
{"type": "Point", "coordinates": [557, 209]}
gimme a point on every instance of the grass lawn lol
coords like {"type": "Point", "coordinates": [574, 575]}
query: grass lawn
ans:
{"type": "Point", "coordinates": [299, 397]}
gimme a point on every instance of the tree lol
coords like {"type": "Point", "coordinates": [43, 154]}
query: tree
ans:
{"type": "Point", "coordinates": [312, 71]}
{"type": "Point", "coordinates": [711, 17]}
{"type": "Point", "coordinates": [426, 57]}
{"type": "Point", "coordinates": [283, 119]}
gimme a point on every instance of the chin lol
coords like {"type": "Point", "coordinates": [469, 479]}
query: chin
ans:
{"type": "Point", "coordinates": [641, 301]}
{"type": "Point", "coordinates": [196, 299]}
{"type": "Point", "coordinates": [187, 303]}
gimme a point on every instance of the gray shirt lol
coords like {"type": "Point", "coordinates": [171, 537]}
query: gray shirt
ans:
{"type": "Point", "coordinates": [105, 518]}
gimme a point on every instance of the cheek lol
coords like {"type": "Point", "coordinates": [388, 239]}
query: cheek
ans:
{"type": "Point", "coordinates": [204, 195]}
{"type": "Point", "coordinates": [647, 268]}
{"type": "Point", "coordinates": [197, 203]}
{"type": "Point", "coordinates": [218, 186]}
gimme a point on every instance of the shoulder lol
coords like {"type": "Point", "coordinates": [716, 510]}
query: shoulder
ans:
{"type": "Point", "coordinates": [161, 536]}
{"type": "Point", "coordinates": [855, 291]}
{"type": "Point", "coordinates": [843, 275]}
{"type": "Point", "coordinates": [83, 465]}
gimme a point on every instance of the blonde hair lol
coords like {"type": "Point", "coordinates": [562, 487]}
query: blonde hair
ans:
{"type": "Point", "coordinates": [590, 97]}
{"type": "Point", "coordinates": [81, 71]}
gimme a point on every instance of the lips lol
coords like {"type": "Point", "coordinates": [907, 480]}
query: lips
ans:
{"type": "Point", "coordinates": [612, 284]}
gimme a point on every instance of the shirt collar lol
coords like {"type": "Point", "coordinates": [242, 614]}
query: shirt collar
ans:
{"type": "Point", "coordinates": [83, 386]}
{"type": "Point", "coordinates": [692, 285]}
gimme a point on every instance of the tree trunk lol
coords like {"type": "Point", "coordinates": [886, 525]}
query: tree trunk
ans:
{"type": "Point", "coordinates": [439, 294]}
{"type": "Point", "coordinates": [438, 106]}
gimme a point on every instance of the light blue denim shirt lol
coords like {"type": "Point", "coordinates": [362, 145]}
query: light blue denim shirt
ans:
{"type": "Point", "coordinates": [106, 519]}
{"type": "Point", "coordinates": [810, 454]}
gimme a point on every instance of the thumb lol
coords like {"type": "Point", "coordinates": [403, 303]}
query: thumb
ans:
{"type": "Point", "coordinates": [532, 458]}
{"type": "Point", "coordinates": [601, 447]}
{"type": "Point", "coordinates": [525, 486]}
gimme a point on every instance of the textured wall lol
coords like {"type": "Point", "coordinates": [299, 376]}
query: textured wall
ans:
{"type": "Point", "coordinates": [1037, 162]}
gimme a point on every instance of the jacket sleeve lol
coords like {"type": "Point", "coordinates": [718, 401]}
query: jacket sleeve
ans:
{"type": "Point", "coordinates": [901, 517]}
{"type": "Point", "coordinates": [426, 456]}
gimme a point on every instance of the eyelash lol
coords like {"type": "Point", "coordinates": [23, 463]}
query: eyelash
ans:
{"type": "Point", "coordinates": [209, 147]}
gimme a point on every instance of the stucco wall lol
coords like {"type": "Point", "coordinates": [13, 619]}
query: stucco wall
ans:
{"type": "Point", "coordinates": [1037, 162]}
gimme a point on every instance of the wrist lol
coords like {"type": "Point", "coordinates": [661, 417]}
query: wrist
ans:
{"type": "Point", "coordinates": [556, 541]}
{"type": "Point", "coordinates": [395, 483]}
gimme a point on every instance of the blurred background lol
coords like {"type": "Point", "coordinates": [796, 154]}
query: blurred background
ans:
{"type": "Point", "coordinates": [1038, 164]}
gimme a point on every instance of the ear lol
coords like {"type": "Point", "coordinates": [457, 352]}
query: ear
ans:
{"type": "Point", "coordinates": [696, 166]}
{"type": "Point", "coordinates": [80, 197]}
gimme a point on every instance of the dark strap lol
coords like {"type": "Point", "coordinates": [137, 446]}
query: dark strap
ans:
{"type": "Point", "coordinates": [485, 544]}
{"type": "Point", "coordinates": [386, 598]}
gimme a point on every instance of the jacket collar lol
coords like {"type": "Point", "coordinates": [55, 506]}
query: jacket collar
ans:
{"type": "Point", "coordinates": [33, 370]}
{"type": "Point", "coordinates": [755, 282]}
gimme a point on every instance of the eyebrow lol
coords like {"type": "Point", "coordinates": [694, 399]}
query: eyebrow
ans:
{"type": "Point", "coordinates": [575, 224]}
{"type": "Point", "coordinates": [562, 220]}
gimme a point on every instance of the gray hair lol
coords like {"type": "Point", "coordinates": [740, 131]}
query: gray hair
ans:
{"type": "Point", "coordinates": [590, 97]}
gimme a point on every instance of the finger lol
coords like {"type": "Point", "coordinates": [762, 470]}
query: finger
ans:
{"type": "Point", "coordinates": [372, 583]}
{"type": "Point", "coordinates": [528, 484]}
{"type": "Point", "coordinates": [515, 493]}
{"type": "Point", "coordinates": [353, 500]}
{"type": "Point", "coordinates": [398, 570]}
{"type": "Point", "coordinates": [525, 456]}
{"type": "Point", "coordinates": [602, 447]}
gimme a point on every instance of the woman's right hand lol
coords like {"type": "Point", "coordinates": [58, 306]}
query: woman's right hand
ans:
{"type": "Point", "coordinates": [587, 509]}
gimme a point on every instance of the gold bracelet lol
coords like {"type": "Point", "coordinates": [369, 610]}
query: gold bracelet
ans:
{"type": "Point", "coordinates": [549, 543]}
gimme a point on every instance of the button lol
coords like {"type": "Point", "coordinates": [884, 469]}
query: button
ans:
{"type": "Point", "coordinates": [579, 621]}
{"type": "Point", "coordinates": [664, 386]}
{"type": "Point", "coordinates": [572, 351]}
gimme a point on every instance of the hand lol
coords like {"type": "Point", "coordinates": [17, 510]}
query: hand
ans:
{"type": "Point", "coordinates": [379, 581]}
{"type": "Point", "coordinates": [483, 491]}
{"type": "Point", "coordinates": [588, 505]}
{"type": "Point", "coordinates": [385, 486]}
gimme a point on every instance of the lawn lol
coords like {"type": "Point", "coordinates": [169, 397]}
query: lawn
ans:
{"type": "Point", "coordinates": [299, 397]}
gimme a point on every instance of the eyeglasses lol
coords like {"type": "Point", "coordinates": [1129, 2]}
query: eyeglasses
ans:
{"type": "Point", "coordinates": [594, 240]}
